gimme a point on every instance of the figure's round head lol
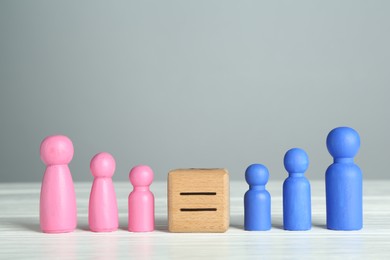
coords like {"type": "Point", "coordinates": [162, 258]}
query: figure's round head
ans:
{"type": "Point", "coordinates": [256, 174]}
{"type": "Point", "coordinates": [102, 165]}
{"type": "Point", "coordinates": [141, 175]}
{"type": "Point", "coordinates": [343, 142]}
{"type": "Point", "coordinates": [56, 149]}
{"type": "Point", "coordinates": [296, 161]}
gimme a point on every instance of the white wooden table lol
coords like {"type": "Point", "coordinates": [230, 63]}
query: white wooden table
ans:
{"type": "Point", "coordinates": [20, 236]}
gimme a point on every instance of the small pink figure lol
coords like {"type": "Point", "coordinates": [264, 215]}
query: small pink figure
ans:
{"type": "Point", "coordinates": [141, 200]}
{"type": "Point", "coordinates": [103, 208]}
{"type": "Point", "coordinates": [58, 213]}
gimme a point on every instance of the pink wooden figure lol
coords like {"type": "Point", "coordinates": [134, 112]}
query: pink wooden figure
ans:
{"type": "Point", "coordinates": [141, 200]}
{"type": "Point", "coordinates": [103, 208]}
{"type": "Point", "coordinates": [58, 213]}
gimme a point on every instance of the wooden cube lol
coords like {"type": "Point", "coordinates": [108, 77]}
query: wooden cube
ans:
{"type": "Point", "coordinates": [198, 200]}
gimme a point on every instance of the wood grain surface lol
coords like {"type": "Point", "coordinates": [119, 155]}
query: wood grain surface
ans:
{"type": "Point", "coordinates": [204, 190]}
{"type": "Point", "coordinates": [20, 237]}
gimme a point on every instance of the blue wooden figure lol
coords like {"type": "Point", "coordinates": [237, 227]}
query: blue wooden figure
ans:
{"type": "Point", "coordinates": [343, 181]}
{"type": "Point", "coordinates": [296, 191]}
{"type": "Point", "coordinates": [257, 200]}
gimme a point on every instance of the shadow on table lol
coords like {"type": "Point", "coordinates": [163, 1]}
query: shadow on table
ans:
{"type": "Point", "coordinates": [160, 224]}
{"type": "Point", "coordinates": [318, 225]}
{"type": "Point", "coordinates": [83, 227]}
{"type": "Point", "coordinates": [241, 227]}
{"type": "Point", "coordinates": [236, 226]}
{"type": "Point", "coordinates": [32, 224]}
{"type": "Point", "coordinates": [277, 226]}
{"type": "Point", "coordinates": [25, 223]}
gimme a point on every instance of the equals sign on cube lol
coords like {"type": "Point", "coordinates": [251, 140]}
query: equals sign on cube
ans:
{"type": "Point", "coordinates": [198, 200]}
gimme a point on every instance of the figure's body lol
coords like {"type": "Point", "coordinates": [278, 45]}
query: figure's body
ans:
{"type": "Point", "coordinates": [141, 200]}
{"type": "Point", "coordinates": [58, 213]}
{"type": "Point", "coordinates": [296, 192]}
{"type": "Point", "coordinates": [257, 200]}
{"type": "Point", "coordinates": [343, 180]}
{"type": "Point", "coordinates": [103, 208]}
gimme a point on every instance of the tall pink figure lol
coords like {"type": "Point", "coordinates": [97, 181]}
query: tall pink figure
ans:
{"type": "Point", "coordinates": [58, 213]}
{"type": "Point", "coordinates": [103, 208]}
{"type": "Point", "coordinates": [141, 200]}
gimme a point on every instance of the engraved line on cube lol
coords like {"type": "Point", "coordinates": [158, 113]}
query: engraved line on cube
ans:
{"type": "Point", "coordinates": [198, 209]}
{"type": "Point", "coordinates": [198, 193]}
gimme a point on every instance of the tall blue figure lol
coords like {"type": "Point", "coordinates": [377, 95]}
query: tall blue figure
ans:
{"type": "Point", "coordinates": [296, 191]}
{"type": "Point", "coordinates": [343, 180]}
{"type": "Point", "coordinates": [257, 200]}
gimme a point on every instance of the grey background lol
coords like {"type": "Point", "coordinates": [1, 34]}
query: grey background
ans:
{"type": "Point", "coordinates": [192, 83]}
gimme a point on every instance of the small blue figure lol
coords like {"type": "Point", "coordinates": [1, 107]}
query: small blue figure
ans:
{"type": "Point", "coordinates": [343, 181]}
{"type": "Point", "coordinates": [296, 191]}
{"type": "Point", "coordinates": [257, 200]}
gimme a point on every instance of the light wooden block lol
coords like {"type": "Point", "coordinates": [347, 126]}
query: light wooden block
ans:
{"type": "Point", "coordinates": [198, 200]}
